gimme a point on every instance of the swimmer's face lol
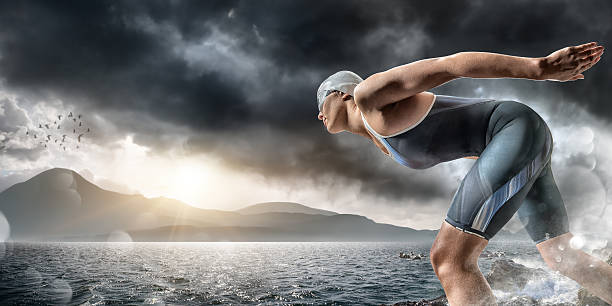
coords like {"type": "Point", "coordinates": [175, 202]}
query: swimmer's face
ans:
{"type": "Point", "coordinates": [330, 111]}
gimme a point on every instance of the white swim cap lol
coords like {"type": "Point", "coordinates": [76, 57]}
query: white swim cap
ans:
{"type": "Point", "coordinates": [343, 81]}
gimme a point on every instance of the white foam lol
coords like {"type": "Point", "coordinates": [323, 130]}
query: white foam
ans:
{"type": "Point", "coordinates": [553, 289]}
{"type": "Point", "coordinates": [154, 301]}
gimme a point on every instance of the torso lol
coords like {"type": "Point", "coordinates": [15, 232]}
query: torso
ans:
{"type": "Point", "coordinates": [448, 128]}
{"type": "Point", "coordinates": [398, 116]}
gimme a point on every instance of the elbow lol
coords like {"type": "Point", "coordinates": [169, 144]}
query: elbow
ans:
{"type": "Point", "coordinates": [367, 93]}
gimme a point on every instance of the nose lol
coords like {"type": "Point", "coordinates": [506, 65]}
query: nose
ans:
{"type": "Point", "coordinates": [320, 116]}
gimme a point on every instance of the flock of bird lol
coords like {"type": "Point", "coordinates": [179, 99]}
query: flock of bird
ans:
{"type": "Point", "coordinates": [60, 132]}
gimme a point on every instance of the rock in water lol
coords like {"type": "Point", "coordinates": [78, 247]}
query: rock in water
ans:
{"type": "Point", "coordinates": [586, 298]}
{"type": "Point", "coordinates": [507, 275]}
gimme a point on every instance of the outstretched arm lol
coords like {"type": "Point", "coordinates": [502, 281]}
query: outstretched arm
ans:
{"type": "Point", "coordinates": [566, 64]}
{"type": "Point", "coordinates": [404, 81]}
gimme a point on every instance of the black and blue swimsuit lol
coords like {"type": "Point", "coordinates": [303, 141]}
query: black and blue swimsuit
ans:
{"type": "Point", "coordinates": [512, 173]}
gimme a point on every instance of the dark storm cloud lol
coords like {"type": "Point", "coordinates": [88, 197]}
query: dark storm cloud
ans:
{"type": "Point", "coordinates": [92, 51]}
{"type": "Point", "coordinates": [102, 57]}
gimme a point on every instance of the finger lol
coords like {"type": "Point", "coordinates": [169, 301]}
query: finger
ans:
{"type": "Point", "coordinates": [589, 65]}
{"type": "Point", "coordinates": [589, 52]}
{"type": "Point", "coordinates": [590, 58]}
{"type": "Point", "coordinates": [577, 77]}
{"type": "Point", "coordinates": [583, 47]}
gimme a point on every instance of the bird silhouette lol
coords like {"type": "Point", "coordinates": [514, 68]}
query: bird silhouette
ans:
{"type": "Point", "coordinates": [74, 119]}
{"type": "Point", "coordinates": [80, 137]}
{"type": "Point", "coordinates": [79, 116]}
{"type": "Point", "coordinates": [58, 126]}
{"type": "Point", "coordinates": [73, 131]}
{"type": "Point", "coordinates": [70, 115]}
{"type": "Point", "coordinates": [48, 137]}
{"type": "Point", "coordinates": [27, 132]}
{"type": "Point", "coordinates": [34, 135]}
{"type": "Point", "coordinates": [47, 126]}
{"type": "Point", "coordinates": [54, 122]}
{"type": "Point", "coordinates": [87, 130]}
{"type": "Point", "coordinates": [59, 117]}
{"type": "Point", "coordinates": [56, 141]}
{"type": "Point", "coordinates": [40, 126]}
{"type": "Point", "coordinates": [80, 123]}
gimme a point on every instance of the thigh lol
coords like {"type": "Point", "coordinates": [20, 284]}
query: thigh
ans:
{"type": "Point", "coordinates": [495, 187]}
{"type": "Point", "coordinates": [543, 212]}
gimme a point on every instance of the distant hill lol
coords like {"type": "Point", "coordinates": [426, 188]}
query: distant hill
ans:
{"type": "Point", "coordinates": [287, 207]}
{"type": "Point", "coordinates": [59, 204]}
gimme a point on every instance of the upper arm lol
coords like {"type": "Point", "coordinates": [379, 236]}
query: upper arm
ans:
{"type": "Point", "coordinates": [401, 82]}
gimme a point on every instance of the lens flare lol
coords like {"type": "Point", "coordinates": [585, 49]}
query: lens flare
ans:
{"type": "Point", "coordinates": [5, 228]}
{"type": "Point", "coordinates": [577, 242]}
{"type": "Point", "coordinates": [119, 236]}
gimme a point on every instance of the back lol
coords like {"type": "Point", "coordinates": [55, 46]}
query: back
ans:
{"type": "Point", "coordinates": [454, 128]}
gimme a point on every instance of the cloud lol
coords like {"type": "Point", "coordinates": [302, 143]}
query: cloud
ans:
{"type": "Point", "coordinates": [236, 80]}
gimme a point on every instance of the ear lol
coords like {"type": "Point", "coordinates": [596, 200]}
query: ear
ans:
{"type": "Point", "coordinates": [346, 97]}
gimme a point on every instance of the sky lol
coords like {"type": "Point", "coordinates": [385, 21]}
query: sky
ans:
{"type": "Point", "coordinates": [214, 102]}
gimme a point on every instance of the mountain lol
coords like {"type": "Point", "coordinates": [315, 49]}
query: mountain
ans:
{"type": "Point", "coordinates": [59, 204]}
{"type": "Point", "coordinates": [287, 207]}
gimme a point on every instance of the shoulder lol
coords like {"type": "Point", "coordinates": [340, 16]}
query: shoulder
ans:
{"type": "Point", "coordinates": [370, 93]}
{"type": "Point", "coordinates": [399, 115]}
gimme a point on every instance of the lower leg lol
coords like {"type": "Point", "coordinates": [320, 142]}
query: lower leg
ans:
{"type": "Point", "coordinates": [465, 285]}
{"type": "Point", "coordinates": [590, 272]}
{"type": "Point", "coordinates": [454, 257]}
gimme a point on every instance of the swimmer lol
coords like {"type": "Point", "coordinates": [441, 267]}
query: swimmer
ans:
{"type": "Point", "coordinates": [511, 143]}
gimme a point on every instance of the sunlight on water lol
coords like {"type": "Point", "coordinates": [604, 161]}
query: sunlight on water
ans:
{"type": "Point", "coordinates": [241, 273]}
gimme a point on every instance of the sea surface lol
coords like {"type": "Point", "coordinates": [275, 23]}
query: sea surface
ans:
{"type": "Point", "coordinates": [204, 273]}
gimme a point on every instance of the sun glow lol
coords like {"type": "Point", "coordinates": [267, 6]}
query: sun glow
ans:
{"type": "Point", "coordinates": [187, 181]}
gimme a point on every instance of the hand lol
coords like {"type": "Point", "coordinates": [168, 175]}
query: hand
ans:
{"type": "Point", "coordinates": [567, 64]}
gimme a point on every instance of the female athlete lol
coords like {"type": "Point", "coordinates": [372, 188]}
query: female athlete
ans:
{"type": "Point", "coordinates": [511, 143]}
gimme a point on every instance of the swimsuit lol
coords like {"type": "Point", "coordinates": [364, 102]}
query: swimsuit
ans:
{"type": "Point", "coordinates": [512, 173]}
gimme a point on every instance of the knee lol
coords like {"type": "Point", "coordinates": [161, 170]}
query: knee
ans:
{"type": "Point", "coordinates": [435, 257]}
{"type": "Point", "coordinates": [445, 262]}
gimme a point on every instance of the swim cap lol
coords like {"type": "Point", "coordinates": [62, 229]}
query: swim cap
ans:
{"type": "Point", "coordinates": [343, 81]}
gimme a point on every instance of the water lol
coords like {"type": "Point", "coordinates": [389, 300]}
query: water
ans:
{"type": "Point", "coordinates": [231, 273]}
